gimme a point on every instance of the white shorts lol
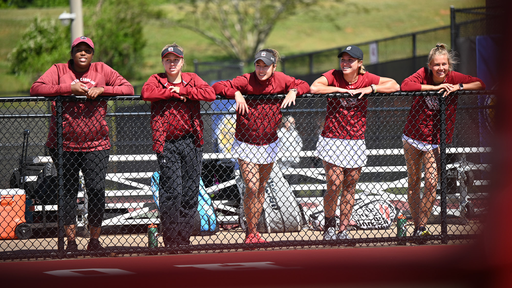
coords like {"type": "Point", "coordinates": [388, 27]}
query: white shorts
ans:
{"type": "Point", "coordinates": [422, 146]}
{"type": "Point", "coordinates": [264, 154]}
{"type": "Point", "coordinates": [342, 152]}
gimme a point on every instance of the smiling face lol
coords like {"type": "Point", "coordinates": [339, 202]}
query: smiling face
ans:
{"type": "Point", "coordinates": [440, 67]}
{"type": "Point", "coordinates": [172, 64]}
{"type": "Point", "coordinates": [349, 64]}
{"type": "Point", "coordinates": [264, 71]}
{"type": "Point", "coordinates": [82, 57]}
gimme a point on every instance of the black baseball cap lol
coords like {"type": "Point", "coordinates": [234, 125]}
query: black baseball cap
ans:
{"type": "Point", "coordinates": [266, 57]}
{"type": "Point", "coordinates": [353, 51]}
{"type": "Point", "coordinates": [173, 50]}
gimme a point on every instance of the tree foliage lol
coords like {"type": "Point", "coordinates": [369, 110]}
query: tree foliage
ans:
{"type": "Point", "coordinates": [116, 27]}
{"type": "Point", "coordinates": [45, 42]}
{"type": "Point", "coordinates": [118, 33]}
{"type": "Point", "coordinates": [33, 3]}
{"type": "Point", "coordinates": [238, 26]}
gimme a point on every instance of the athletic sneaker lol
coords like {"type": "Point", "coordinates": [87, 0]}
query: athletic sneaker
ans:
{"type": "Point", "coordinates": [421, 231]}
{"type": "Point", "coordinates": [343, 235]}
{"type": "Point", "coordinates": [72, 247]}
{"type": "Point", "coordinates": [254, 238]}
{"type": "Point", "coordinates": [95, 246]}
{"type": "Point", "coordinates": [330, 234]}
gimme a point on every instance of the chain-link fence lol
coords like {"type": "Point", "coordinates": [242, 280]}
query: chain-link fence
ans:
{"type": "Point", "coordinates": [43, 204]}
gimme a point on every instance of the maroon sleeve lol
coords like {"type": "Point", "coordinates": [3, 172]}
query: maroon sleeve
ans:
{"type": "Point", "coordinates": [294, 83]}
{"type": "Point", "coordinates": [465, 79]}
{"type": "Point", "coordinates": [228, 88]}
{"type": "Point", "coordinates": [49, 85]}
{"type": "Point", "coordinates": [153, 90]}
{"type": "Point", "coordinates": [197, 89]}
{"type": "Point", "coordinates": [115, 83]}
{"type": "Point", "coordinates": [413, 82]}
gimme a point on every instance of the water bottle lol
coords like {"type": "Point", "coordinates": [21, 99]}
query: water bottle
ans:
{"type": "Point", "coordinates": [401, 228]}
{"type": "Point", "coordinates": [152, 236]}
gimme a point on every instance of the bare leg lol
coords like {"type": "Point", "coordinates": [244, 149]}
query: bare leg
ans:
{"type": "Point", "coordinates": [351, 176]}
{"type": "Point", "coordinates": [255, 177]}
{"type": "Point", "coordinates": [70, 232]}
{"type": "Point", "coordinates": [413, 158]}
{"type": "Point", "coordinates": [431, 178]}
{"type": "Point", "coordinates": [95, 232]}
{"type": "Point", "coordinates": [334, 175]}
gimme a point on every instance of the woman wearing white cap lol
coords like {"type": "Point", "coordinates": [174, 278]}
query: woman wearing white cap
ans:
{"type": "Point", "coordinates": [421, 136]}
{"type": "Point", "coordinates": [256, 141]}
{"type": "Point", "coordinates": [86, 142]}
{"type": "Point", "coordinates": [341, 145]}
{"type": "Point", "coordinates": [177, 140]}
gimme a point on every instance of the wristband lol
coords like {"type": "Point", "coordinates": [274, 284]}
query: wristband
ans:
{"type": "Point", "coordinates": [461, 86]}
{"type": "Point", "coordinates": [374, 88]}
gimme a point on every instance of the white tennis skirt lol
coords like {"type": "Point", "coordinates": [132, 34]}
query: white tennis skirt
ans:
{"type": "Point", "coordinates": [264, 154]}
{"type": "Point", "coordinates": [342, 152]}
{"type": "Point", "coordinates": [422, 146]}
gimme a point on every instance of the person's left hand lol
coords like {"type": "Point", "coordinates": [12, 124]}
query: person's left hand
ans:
{"type": "Point", "coordinates": [289, 100]}
{"type": "Point", "coordinates": [361, 92]}
{"type": "Point", "coordinates": [94, 92]}
{"type": "Point", "coordinates": [177, 91]}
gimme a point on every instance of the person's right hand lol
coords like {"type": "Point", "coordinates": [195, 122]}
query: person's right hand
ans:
{"type": "Point", "coordinates": [79, 89]}
{"type": "Point", "coordinates": [241, 105]}
{"type": "Point", "coordinates": [447, 88]}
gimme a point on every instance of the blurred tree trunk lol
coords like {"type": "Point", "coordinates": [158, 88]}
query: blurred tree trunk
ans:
{"type": "Point", "coordinates": [241, 27]}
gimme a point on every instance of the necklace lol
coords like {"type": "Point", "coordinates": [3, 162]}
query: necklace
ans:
{"type": "Point", "coordinates": [354, 81]}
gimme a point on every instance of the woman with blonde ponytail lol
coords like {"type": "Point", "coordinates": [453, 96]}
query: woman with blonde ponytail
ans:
{"type": "Point", "coordinates": [422, 131]}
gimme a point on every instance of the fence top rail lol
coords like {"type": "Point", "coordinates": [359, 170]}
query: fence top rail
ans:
{"type": "Point", "coordinates": [270, 96]}
{"type": "Point", "coordinates": [284, 58]}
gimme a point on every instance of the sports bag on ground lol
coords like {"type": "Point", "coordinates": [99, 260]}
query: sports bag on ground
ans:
{"type": "Point", "coordinates": [281, 212]}
{"type": "Point", "coordinates": [366, 214]}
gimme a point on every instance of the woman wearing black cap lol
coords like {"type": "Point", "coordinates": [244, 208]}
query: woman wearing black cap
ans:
{"type": "Point", "coordinates": [341, 145]}
{"type": "Point", "coordinates": [177, 140]}
{"type": "Point", "coordinates": [86, 142]}
{"type": "Point", "coordinates": [256, 141]}
{"type": "Point", "coordinates": [421, 136]}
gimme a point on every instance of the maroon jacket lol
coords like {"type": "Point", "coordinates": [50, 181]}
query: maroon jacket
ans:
{"type": "Point", "coordinates": [259, 125]}
{"type": "Point", "coordinates": [423, 123]}
{"type": "Point", "coordinates": [84, 125]}
{"type": "Point", "coordinates": [172, 118]}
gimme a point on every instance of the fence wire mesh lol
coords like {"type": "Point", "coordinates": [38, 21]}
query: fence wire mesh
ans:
{"type": "Point", "coordinates": [41, 199]}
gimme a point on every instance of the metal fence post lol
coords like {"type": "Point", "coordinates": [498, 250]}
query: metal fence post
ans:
{"type": "Point", "coordinates": [196, 66]}
{"type": "Point", "coordinates": [311, 64]}
{"type": "Point", "coordinates": [444, 225]}
{"type": "Point", "coordinates": [60, 225]}
{"type": "Point", "coordinates": [453, 28]}
{"type": "Point", "coordinates": [414, 45]}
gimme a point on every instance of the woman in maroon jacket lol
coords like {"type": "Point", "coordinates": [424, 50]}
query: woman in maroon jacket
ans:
{"type": "Point", "coordinates": [341, 145]}
{"type": "Point", "coordinates": [421, 137]}
{"type": "Point", "coordinates": [256, 142]}
{"type": "Point", "coordinates": [86, 142]}
{"type": "Point", "coordinates": [177, 140]}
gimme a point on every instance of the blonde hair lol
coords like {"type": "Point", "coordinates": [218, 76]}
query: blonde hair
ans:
{"type": "Point", "coordinates": [362, 70]}
{"type": "Point", "coordinates": [441, 49]}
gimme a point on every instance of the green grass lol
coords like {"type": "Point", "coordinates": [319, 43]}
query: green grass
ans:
{"type": "Point", "coordinates": [305, 32]}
